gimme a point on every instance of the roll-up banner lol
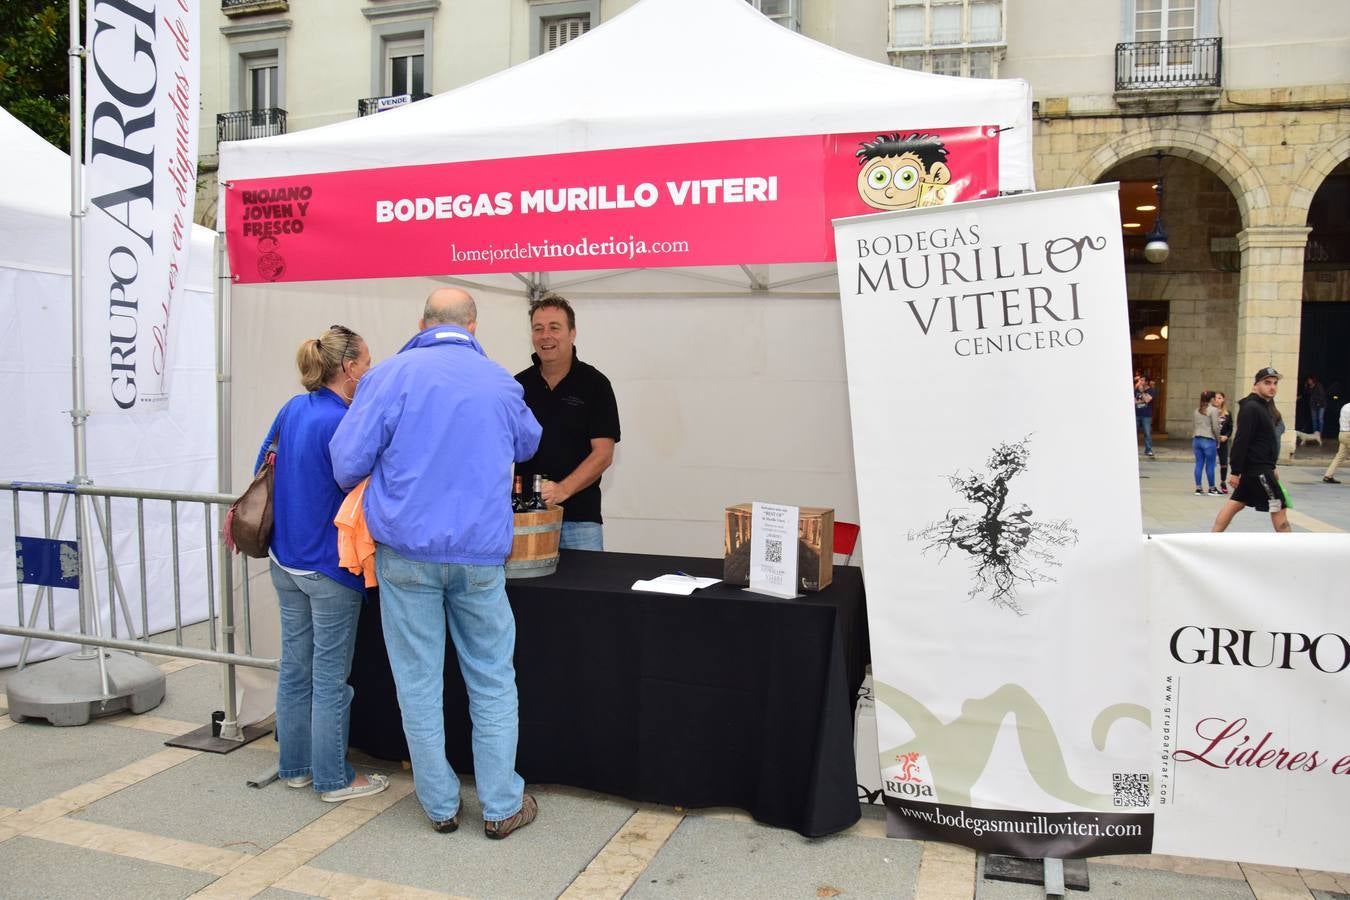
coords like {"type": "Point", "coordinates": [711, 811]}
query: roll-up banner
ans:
{"type": "Point", "coordinates": [757, 201]}
{"type": "Point", "coordinates": [988, 356]}
{"type": "Point", "coordinates": [142, 84]}
{"type": "Point", "coordinates": [1251, 697]}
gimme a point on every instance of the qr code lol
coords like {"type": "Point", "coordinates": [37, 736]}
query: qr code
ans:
{"type": "Point", "coordinates": [1130, 789]}
{"type": "Point", "coordinates": [773, 550]}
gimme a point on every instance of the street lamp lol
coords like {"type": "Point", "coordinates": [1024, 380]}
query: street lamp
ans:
{"type": "Point", "coordinates": [1155, 242]}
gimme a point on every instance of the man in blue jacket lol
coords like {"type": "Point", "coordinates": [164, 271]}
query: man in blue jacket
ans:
{"type": "Point", "coordinates": [437, 428]}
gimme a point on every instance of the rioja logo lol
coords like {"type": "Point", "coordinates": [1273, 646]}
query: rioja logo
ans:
{"type": "Point", "coordinates": [1008, 549]}
{"type": "Point", "coordinates": [909, 778]}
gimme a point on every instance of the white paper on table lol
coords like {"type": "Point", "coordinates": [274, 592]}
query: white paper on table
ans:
{"type": "Point", "coordinates": [773, 549]}
{"type": "Point", "coordinates": [674, 584]}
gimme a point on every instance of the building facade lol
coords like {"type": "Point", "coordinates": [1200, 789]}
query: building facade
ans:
{"type": "Point", "coordinates": [1227, 127]}
{"type": "Point", "coordinates": [1243, 118]}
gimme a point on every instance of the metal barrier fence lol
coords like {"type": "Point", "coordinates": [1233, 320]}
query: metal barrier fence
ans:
{"type": "Point", "coordinates": [182, 512]}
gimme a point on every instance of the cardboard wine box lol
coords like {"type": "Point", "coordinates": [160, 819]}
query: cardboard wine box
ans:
{"type": "Point", "coordinates": [815, 546]}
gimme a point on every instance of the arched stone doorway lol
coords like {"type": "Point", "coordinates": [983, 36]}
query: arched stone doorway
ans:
{"type": "Point", "coordinates": [1324, 340]}
{"type": "Point", "coordinates": [1184, 311]}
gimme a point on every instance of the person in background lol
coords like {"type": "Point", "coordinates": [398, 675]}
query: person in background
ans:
{"type": "Point", "coordinates": [1143, 410]}
{"type": "Point", "coordinates": [575, 405]}
{"type": "Point", "coordinates": [437, 428]}
{"type": "Point", "coordinates": [1254, 480]}
{"type": "Point", "coordinates": [1342, 447]}
{"type": "Point", "coordinates": [319, 600]}
{"type": "Point", "coordinates": [1220, 402]}
{"type": "Point", "coordinates": [1317, 403]}
{"type": "Point", "coordinates": [1205, 430]}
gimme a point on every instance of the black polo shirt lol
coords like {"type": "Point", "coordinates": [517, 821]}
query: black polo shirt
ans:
{"type": "Point", "coordinates": [579, 409]}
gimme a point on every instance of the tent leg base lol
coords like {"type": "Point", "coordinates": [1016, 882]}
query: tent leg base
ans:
{"type": "Point", "coordinates": [1032, 871]}
{"type": "Point", "coordinates": [68, 691]}
{"type": "Point", "coordinates": [203, 739]}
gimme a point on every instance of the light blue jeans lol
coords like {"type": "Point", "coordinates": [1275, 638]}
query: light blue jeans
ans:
{"type": "Point", "coordinates": [582, 536]}
{"type": "Point", "coordinates": [417, 601]}
{"type": "Point", "coordinates": [318, 634]}
{"type": "Point", "coordinates": [1205, 450]}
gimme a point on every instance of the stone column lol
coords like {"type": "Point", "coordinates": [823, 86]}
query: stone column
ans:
{"type": "Point", "coordinates": [1270, 313]}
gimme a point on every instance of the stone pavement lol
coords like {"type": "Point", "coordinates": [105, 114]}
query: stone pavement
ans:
{"type": "Point", "coordinates": [108, 810]}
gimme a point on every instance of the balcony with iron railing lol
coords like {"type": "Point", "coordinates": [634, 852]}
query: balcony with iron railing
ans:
{"type": "Point", "coordinates": [1178, 73]}
{"type": "Point", "coordinates": [371, 105]}
{"type": "Point", "coordinates": [250, 123]}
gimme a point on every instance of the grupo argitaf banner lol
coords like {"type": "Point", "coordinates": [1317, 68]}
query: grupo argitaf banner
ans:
{"type": "Point", "coordinates": [766, 200]}
{"type": "Point", "coordinates": [142, 84]}
{"type": "Point", "coordinates": [1251, 656]}
{"type": "Point", "coordinates": [988, 356]}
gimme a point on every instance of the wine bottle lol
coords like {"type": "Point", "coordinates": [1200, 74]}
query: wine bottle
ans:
{"type": "Point", "coordinates": [537, 497]}
{"type": "Point", "coordinates": [518, 496]}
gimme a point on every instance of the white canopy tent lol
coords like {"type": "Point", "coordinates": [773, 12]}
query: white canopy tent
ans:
{"type": "Point", "coordinates": [730, 381]}
{"type": "Point", "coordinates": [172, 450]}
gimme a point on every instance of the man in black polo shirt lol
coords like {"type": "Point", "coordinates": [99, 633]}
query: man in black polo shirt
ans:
{"type": "Point", "coordinates": [1252, 458]}
{"type": "Point", "coordinates": [575, 405]}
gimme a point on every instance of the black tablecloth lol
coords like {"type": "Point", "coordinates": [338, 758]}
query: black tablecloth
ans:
{"type": "Point", "coordinates": [722, 698]}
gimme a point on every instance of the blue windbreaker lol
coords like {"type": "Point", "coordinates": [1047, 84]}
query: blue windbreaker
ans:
{"type": "Point", "coordinates": [436, 427]}
{"type": "Point", "coordinates": [304, 495]}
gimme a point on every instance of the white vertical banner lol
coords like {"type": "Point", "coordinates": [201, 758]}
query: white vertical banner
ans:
{"type": "Point", "coordinates": [141, 109]}
{"type": "Point", "coordinates": [988, 359]}
{"type": "Point", "coordinates": [1251, 696]}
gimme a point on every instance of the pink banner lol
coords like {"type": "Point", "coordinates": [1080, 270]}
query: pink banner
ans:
{"type": "Point", "coordinates": [768, 200]}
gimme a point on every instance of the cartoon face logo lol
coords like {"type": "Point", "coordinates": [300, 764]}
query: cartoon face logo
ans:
{"type": "Point", "coordinates": [903, 172]}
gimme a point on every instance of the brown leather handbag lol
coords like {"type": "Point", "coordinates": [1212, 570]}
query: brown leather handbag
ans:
{"type": "Point", "coordinates": [248, 524]}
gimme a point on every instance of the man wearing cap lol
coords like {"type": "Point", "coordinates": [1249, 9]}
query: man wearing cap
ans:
{"type": "Point", "coordinates": [1252, 456]}
{"type": "Point", "coordinates": [575, 404]}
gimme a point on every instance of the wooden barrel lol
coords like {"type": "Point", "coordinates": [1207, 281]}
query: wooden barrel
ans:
{"type": "Point", "coordinates": [534, 549]}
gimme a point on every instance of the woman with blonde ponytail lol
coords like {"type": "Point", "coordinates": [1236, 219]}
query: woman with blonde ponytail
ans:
{"type": "Point", "coordinates": [319, 600]}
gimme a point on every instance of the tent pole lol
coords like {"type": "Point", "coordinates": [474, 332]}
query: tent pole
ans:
{"type": "Point", "coordinates": [229, 729]}
{"type": "Point", "coordinates": [78, 413]}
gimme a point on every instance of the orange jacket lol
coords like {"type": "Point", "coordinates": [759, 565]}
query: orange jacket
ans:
{"type": "Point", "coordinates": [356, 548]}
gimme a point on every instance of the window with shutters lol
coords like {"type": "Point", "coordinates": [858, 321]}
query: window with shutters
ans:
{"type": "Point", "coordinates": [559, 31]}
{"type": "Point", "coordinates": [553, 24]}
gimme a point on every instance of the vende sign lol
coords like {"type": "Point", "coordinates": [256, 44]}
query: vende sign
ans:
{"type": "Point", "coordinates": [767, 200]}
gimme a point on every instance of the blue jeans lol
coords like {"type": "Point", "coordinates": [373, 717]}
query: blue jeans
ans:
{"type": "Point", "coordinates": [582, 536]}
{"type": "Point", "coordinates": [318, 634]}
{"type": "Point", "coordinates": [417, 601]}
{"type": "Point", "coordinates": [1144, 421]}
{"type": "Point", "coordinates": [1206, 450]}
{"type": "Point", "coordinates": [1319, 414]}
